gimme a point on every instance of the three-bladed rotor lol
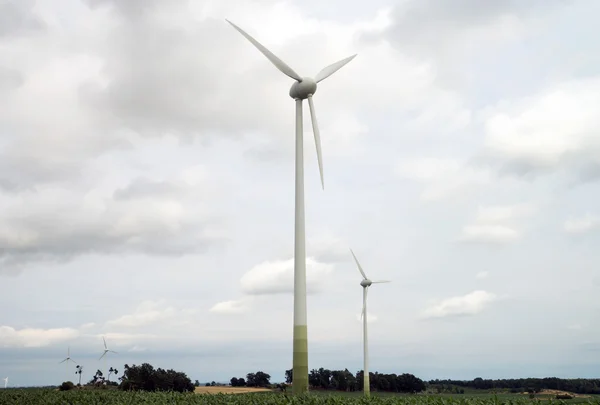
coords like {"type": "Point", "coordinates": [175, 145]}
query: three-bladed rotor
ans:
{"type": "Point", "coordinates": [365, 283]}
{"type": "Point", "coordinates": [303, 88]}
{"type": "Point", "coordinates": [68, 359]}
{"type": "Point", "coordinates": [106, 349]}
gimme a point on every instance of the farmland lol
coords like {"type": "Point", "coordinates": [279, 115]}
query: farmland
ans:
{"type": "Point", "coordinates": [32, 396]}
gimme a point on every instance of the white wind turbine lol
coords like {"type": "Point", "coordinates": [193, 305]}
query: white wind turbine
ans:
{"type": "Point", "coordinates": [106, 350]}
{"type": "Point", "coordinates": [67, 360]}
{"type": "Point", "coordinates": [303, 88]}
{"type": "Point", "coordinates": [365, 283]}
{"type": "Point", "coordinates": [5, 382]}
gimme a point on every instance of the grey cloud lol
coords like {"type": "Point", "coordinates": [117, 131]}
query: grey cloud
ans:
{"type": "Point", "coordinates": [10, 79]}
{"type": "Point", "coordinates": [177, 79]}
{"type": "Point", "coordinates": [56, 229]}
{"type": "Point", "coordinates": [129, 8]}
{"type": "Point", "coordinates": [143, 187]}
{"type": "Point", "coordinates": [430, 26]}
{"type": "Point", "coordinates": [17, 17]}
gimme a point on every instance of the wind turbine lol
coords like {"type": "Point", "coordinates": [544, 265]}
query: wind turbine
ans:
{"type": "Point", "coordinates": [67, 360]}
{"type": "Point", "coordinates": [365, 283]}
{"type": "Point", "coordinates": [303, 88]}
{"type": "Point", "coordinates": [5, 382]}
{"type": "Point", "coordinates": [106, 350]}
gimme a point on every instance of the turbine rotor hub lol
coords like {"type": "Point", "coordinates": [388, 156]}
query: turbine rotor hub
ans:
{"type": "Point", "coordinates": [301, 90]}
{"type": "Point", "coordinates": [366, 283]}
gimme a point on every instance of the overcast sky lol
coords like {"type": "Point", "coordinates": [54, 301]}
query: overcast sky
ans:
{"type": "Point", "coordinates": [147, 186]}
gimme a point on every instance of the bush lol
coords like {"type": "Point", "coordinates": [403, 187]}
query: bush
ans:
{"type": "Point", "coordinates": [66, 386]}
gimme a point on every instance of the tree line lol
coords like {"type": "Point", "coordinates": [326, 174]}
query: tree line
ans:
{"type": "Point", "coordinates": [532, 385]}
{"type": "Point", "coordinates": [137, 378]}
{"type": "Point", "coordinates": [339, 380]}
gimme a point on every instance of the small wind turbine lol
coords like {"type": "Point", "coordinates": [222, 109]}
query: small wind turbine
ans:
{"type": "Point", "coordinates": [5, 382]}
{"type": "Point", "coordinates": [365, 283]}
{"type": "Point", "coordinates": [67, 360]}
{"type": "Point", "coordinates": [106, 350]}
{"type": "Point", "coordinates": [302, 89]}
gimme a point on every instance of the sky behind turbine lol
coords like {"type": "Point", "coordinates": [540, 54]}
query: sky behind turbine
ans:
{"type": "Point", "coordinates": [146, 186]}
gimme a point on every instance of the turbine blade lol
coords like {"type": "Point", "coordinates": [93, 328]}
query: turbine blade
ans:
{"type": "Point", "coordinates": [315, 125]}
{"type": "Point", "coordinates": [279, 64]}
{"type": "Point", "coordinates": [112, 351]}
{"type": "Point", "coordinates": [358, 264]}
{"type": "Point", "coordinates": [102, 356]}
{"type": "Point", "coordinates": [331, 69]}
{"type": "Point", "coordinates": [104, 340]}
{"type": "Point", "coordinates": [62, 361]}
{"type": "Point", "coordinates": [381, 281]}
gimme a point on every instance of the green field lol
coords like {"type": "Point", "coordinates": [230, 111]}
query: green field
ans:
{"type": "Point", "coordinates": [114, 397]}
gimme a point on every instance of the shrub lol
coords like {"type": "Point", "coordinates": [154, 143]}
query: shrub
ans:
{"type": "Point", "coordinates": [66, 386]}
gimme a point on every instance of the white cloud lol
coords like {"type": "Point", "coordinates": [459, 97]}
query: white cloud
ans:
{"type": "Point", "coordinates": [34, 337]}
{"type": "Point", "coordinates": [585, 224]}
{"type": "Point", "coordinates": [276, 277]}
{"type": "Point", "coordinates": [554, 129]}
{"type": "Point", "coordinates": [472, 303]}
{"type": "Point", "coordinates": [147, 313]}
{"type": "Point", "coordinates": [482, 275]}
{"type": "Point", "coordinates": [489, 233]}
{"type": "Point", "coordinates": [443, 177]}
{"type": "Point", "coordinates": [497, 224]}
{"type": "Point", "coordinates": [229, 307]}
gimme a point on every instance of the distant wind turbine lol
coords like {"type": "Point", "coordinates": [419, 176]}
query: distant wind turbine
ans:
{"type": "Point", "coordinates": [106, 350]}
{"type": "Point", "coordinates": [365, 283]}
{"type": "Point", "coordinates": [67, 360]}
{"type": "Point", "coordinates": [5, 382]}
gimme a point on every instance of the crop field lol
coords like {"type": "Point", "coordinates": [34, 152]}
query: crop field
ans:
{"type": "Point", "coordinates": [115, 397]}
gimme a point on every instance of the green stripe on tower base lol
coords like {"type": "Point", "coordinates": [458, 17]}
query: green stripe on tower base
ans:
{"type": "Point", "coordinates": [300, 361]}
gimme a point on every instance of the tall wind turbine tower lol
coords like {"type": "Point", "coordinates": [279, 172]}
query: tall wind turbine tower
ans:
{"type": "Point", "coordinates": [5, 382]}
{"type": "Point", "coordinates": [303, 89]}
{"type": "Point", "coordinates": [365, 283]}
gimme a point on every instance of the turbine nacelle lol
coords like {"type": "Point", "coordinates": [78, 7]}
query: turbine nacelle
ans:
{"type": "Point", "coordinates": [366, 283]}
{"type": "Point", "coordinates": [301, 90]}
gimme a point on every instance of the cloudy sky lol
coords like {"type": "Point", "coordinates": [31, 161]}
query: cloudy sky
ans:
{"type": "Point", "coordinates": [146, 186]}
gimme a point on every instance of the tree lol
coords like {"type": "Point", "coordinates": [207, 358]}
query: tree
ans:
{"type": "Point", "coordinates": [146, 378]}
{"type": "Point", "coordinates": [111, 371]}
{"type": "Point", "coordinates": [258, 379]}
{"type": "Point", "coordinates": [237, 382]}
{"type": "Point", "coordinates": [288, 375]}
{"type": "Point", "coordinates": [79, 371]}
{"type": "Point", "coordinates": [97, 379]}
{"type": "Point", "coordinates": [196, 383]}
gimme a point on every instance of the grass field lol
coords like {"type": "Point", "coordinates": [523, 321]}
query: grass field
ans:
{"type": "Point", "coordinates": [216, 396]}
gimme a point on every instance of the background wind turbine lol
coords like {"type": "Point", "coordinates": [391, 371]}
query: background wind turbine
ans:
{"type": "Point", "coordinates": [106, 350]}
{"type": "Point", "coordinates": [5, 382]}
{"type": "Point", "coordinates": [365, 283]}
{"type": "Point", "coordinates": [67, 360]}
{"type": "Point", "coordinates": [303, 88]}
